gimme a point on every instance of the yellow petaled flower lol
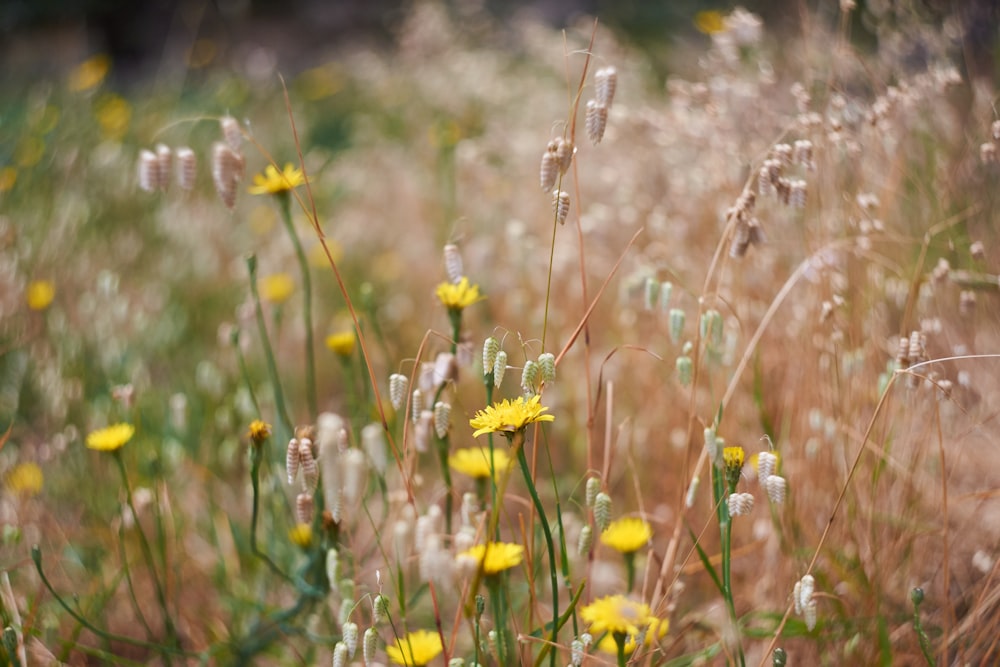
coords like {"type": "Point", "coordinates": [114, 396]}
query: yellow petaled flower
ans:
{"type": "Point", "coordinates": [733, 457]}
{"type": "Point", "coordinates": [458, 296]}
{"type": "Point", "coordinates": [301, 534]}
{"type": "Point", "coordinates": [475, 462]}
{"type": "Point", "coordinates": [627, 534]}
{"type": "Point", "coordinates": [509, 416]}
{"type": "Point", "coordinates": [259, 431]}
{"type": "Point", "coordinates": [273, 182]}
{"type": "Point", "coordinates": [341, 343]}
{"type": "Point", "coordinates": [114, 114]}
{"type": "Point", "coordinates": [89, 73]}
{"type": "Point", "coordinates": [616, 614]}
{"type": "Point", "coordinates": [25, 478]}
{"type": "Point", "coordinates": [40, 294]}
{"type": "Point", "coordinates": [499, 556]}
{"type": "Point", "coordinates": [276, 287]}
{"type": "Point", "coordinates": [709, 22]}
{"type": "Point", "coordinates": [110, 438]}
{"type": "Point", "coordinates": [656, 629]}
{"type": "Point", "coordinates": [415, 649]}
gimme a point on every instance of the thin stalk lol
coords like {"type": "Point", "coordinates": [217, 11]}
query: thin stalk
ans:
{"type": "Point", "coordinates": [272, 366]}
{"type": "Point", "coordinates": [255, 461]}
{"type": "Point", "coordinates": [147, 553]}
{"type": "Point", "coordinates": [498, 602]}
{"type": "Point", "coordinates": [726, 536]}
{"type": "Point", "coordinates": [284, 202]}
{"type": "Point", "coordinates": [523, 460]}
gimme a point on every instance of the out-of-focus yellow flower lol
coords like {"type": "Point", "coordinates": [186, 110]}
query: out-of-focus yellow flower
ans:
{"type": "Point", "coordinates": [89, 73]}
{"type": "Point", "coordinates": [616, 614]}
{"type": "Point", "coordinates": [276, 287]}
{"type": "Point", "coordinates": [25, 478]}
{"type": "Point", "coordinates": [475, 461]}
{"type": "Point", "coordinates": [301, 534]}
{"type": "Point", "coordinates": [111, 438]}
{"type": "Point", "coordinates": [273, 182]}
{"type": "Point", "coordinates": [458, 296]}
{"type": "Point", "coordinates": [495, 556]}
{"type": "Point", "coordinates": [341, 343]}
{"type": "Point", "coordinates": [114, 115]}
{"type": "Point", "coordinates": [318, 258]}
{"type": "Point", "coordinates": [8, 177]}
{"type": "Point", "coordinates": [262, 219]}
{"type": "Point", "coordinates": [709, 22]}
{"type": "Point", "coordinates": [40, 294]}
{"type": "Point", "coordinates": [416, 649]}
{"type": "Point", "coordinates": [259, 431]}
{"type": "Point", "coordinates": [321, 82]}
{"type": "Point", "coordinates": [656, 629]}
{"type": "Point", "coordinates": [29, 151]}
{"type": "Point", "coordinates": [627, 535]}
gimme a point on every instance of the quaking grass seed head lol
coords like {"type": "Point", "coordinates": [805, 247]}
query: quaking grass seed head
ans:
{"type": "Point", "coordinates": [187, 168]}
{"type": "Point", "coordinates": [442, 418]}
{"type": "Point", "coordinates": [398, 384]}
{"type": "Point", "coordinates": [596, 121]}
{"type": "Point", "coordinates": [490, 349]}
{"type": "Point", "coordinates": [560, 204]}
{"type": "Point", "coordinates": [548, 172]}
{"type": "Point", "coordinates": [453, 263]}
{"type": "Point", "coordinates": [499, 368]}
{"type": "Point", "coordinates": [602, 511]}
{"type": "Point", "coordinates": [164, 165]}
{"type": "Point", "coordinates": [149, 171]}
{"type": "Point", "coordinates": [605, 85]}
{"type": "Point", "coordinates": [547, 366]}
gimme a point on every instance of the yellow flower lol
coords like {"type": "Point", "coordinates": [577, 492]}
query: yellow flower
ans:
{"type": "Point", "coordinates": [276, 287]}
{"type": "Point", "coordinates": [8, 177]}
{"type": "Point", "coordinates": [114, 114]}
{"type": "Point", "coordinates": [499, 556]}
{"type": "Point", "coordinates": [110, 438]}
{"type": "Point", "coordinates": [616, 614]}
{"type": "Point", "coordinates": [709, 22]}
{"type": "Point", "coordinates": [301, 534]}
{"type": "Point", "coordinates": [342, 343]}
{"type": "Point", "coordinates": [273, 182]}
{"type": "Point", "coordinates": [458, 296]}
{"type": "Point", "coordinates": [415, 649]}
{"type": "Point", "coordinates": [89, 73]}
{"type": "Point", "coordinates": [39, 294]}
{"type": "Point", "coordinates": [25, 478]}
{"type": "Point", "coordinates": [509, 416]}
{"type": "Point", "coordinates": [656, 629]}
{"type": "Point", "coordinates": [733, 457]}
{"type": "Point", "coordinates": [627, 534]}
{"type": "Point", "coordinates": [259, 431]}
{"type": "Point", "coordinates": [475, 462]}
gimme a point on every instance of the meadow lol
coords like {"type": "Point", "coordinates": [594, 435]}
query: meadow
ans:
{"type": "Point", "coordinates": [304, 367]}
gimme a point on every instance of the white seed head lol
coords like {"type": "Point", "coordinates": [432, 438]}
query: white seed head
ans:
{"type": "Point", "coordinates": [560, 204]}
{"type": "Point", "coordinates": [332, 566]}
{"type": "Point", "coordinates": [809, 614]}
{"type": "Point", "coordinates": [596, 121]}
{"type": "Point", "coordinates": [231, 132]}
{"type": "Point", "coordinates": [442, 418]}
{"type": "Point", "coordinates": [549, 170]}
{"type": "Point", "coordinates": [988, 153]}
{"type": "Point", "coordinates": [797, 194]}
{"type": "Point", "coordinates": [803, 592]}
{"type": "Point", "coordinates": [740, 504]}
{"type": "Point", "coordinates": [355, 471]}
{"type": "Point", "coordinates": [304, 508]}
{"type": "Point", "coordinates": [397, 389]}
{"type": "Point", "coordinates": [775, 486]}
{"type": "Point", "coordinates": [803, 154]}
{"type": "Point", "coordinates": [692, 492]}
{"type": "Point", "coordinates": [373, 442]}
{"type": "Point", "coordinates": [187, 167]}
{"type": "Point", "coordinates": [350, 633]}
{"type": "Point", "coordinates": [606, 82]}
{"type": "Point", "coordinates": [331, 436]}
{"type": "Point", "coordinates": [227, 172]}
{"type": "Point", "coordinates": [593, 488]}
{"type": "Point", "coordinates": [490, 349]}
{"type": "Point", "coordinates": [565, 150]}
{"type": "Point", "coordinates": [529, 377]}
{"type": "Point", "coordinates": [576, 653]}
{"type": "Point", "coordinates": [149, 171]}
{"type": "Point", "coordinates": [380, 609]}
{"type": "Point", "coordinates": [416, 404]}
{"type": "Point", "coordinates": [995, 130]}
{"type": "Point", "coordinates": [340, 655]}
{"type": "Point", "coordinates": [666, 291]}
{"type": "Point", "coordinates": [651, 292]}
{"type": "Point", "coordinates": [423, 430]}
{"type": "Point", "coordinates": [499, 368]}
{"type": "Point", "coordinates": [164, 165]}
{"type": "Point", "coordinates": [370, 644]}
{"type": "Point", "coordinates": [470, 508]}
{"type": "Point", "coordinates": [292, 460]}
{"type": "Point", "coordinates": [676, 320]}
{"type": "Point", "coordinates": [766, 463]}
{"type": "Point", "coordinates": [586, 540]}
{"type": "Point", "coordinates": [547, 366]}
{"type": "Point", "coordinates": [602, 511]}
{"type": "Point", "coordinates": [685, 370]}
{"type": "Point", "coordinates": [453, 263]}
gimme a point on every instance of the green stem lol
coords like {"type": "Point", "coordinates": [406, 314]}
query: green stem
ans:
{"type": "Point", "coordinates": [147, 554]}
{"type": "Point", "coordinates": [443, 447]}
{"type": "Point", "coordinates": [244, 371]}
{"type": "Point", "coordinates": [726, 536]}
{"type": "Point", "coordinates": [523, 460]}
{"type": "Point", "coordinates": [286, 215]}
{"type": "Point", "coordinates": [620, 644]}
{"type": "Point", "coordinates": [499, 603]}
{"type": "Point", "coordinates": [272, 366]}
{"type": "Point", "coordinates": [255, 461]}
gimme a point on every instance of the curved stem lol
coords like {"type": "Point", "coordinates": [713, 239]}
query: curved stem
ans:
{"type": "Point", "coordinates": [522, 459]}
{"type": "Point", "coordinates": [255, 460]}
{"type": "Point", "coordinates": [272, 366]}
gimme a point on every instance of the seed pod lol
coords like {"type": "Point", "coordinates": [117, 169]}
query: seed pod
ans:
{"type": "Point", "coordinates": [416, 405]}
{"type": "Point", "coordinates": [499, 368]}
{"type": "Point", "coordinates": [442, 418]}
{"type": "Point", "coordinates": [397, 389]}
{"type": "Point", "coordinates": [371, 636]}
{"type": "Point", "coordinates": [231, 131]}
{"type": "Point", "coordinates": [350, 633]}
{"type": "Point", "coordinates": [149, 177]}
{"type": "Point", "coordinates": [340, 655]}
{"type": "Point", "coordinates": [564, 154]}
{"type": "Point", "coordinates": [602, 511]}
{"type": "Point", "coordinates": [606, 80]}
{"type": "Point", "coordinates": [187, 168]}
{"type": "Point", "coordinates": [586, 540]}
{"type": "Point", "coordinates": [597, 121]}
{"type": "Point", "coordinates": [740, 504]}
{"type": "Point", "coordinates": [547, 366]}
{"type": "Point", "coordinates": [292, 460]}
{"type": "Point", "coordinates": [797, 195]}
{"type": "Point", "coordinates": [593, 488]}
{"type": "Point", "coordinates": [490, 349]}
{"type": "Point", "coordinates": [453, 263]}
{"type": "Point", "coordinates": [685, 370]}
{"type": "Point", "coordinates": [227, 169]}
{"type": "Point", "coordinates": [529, 377]}
{"type": "Point", "coordinates": [304, 508]}
{"type": "Point", "coordinates": [775, 486]}
{"type": "Point", "coordinates": [549, 170]}
{"type": "Point", "coordinates": [310, 471]}
{"type": "Point", "coordinates": [676, 320]}
{"type": "Point", "coordinates": [164, 163]}
{"type": "Point", "coordinates": [560, 204]}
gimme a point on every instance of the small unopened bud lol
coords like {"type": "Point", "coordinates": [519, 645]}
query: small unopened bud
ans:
{"type": "Point", "coordinates": [547, 366]}
{"type": "Point", "coordinates": [499, 368]}
{"type": "Point", "coordinates": [442, 418]}
{"type": "Point", "coordinates": [606, 82]}
{"type": "Point", "coordinates": [453, 263]}
{"type": "Point", "coordinates": [596, 120]}
{"type": "Point", "coordinates": [602, 511]}
{"type": "Point", "coordinates": [593, 488]}
{"type": "Point", "coordinates": [560, 204]}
